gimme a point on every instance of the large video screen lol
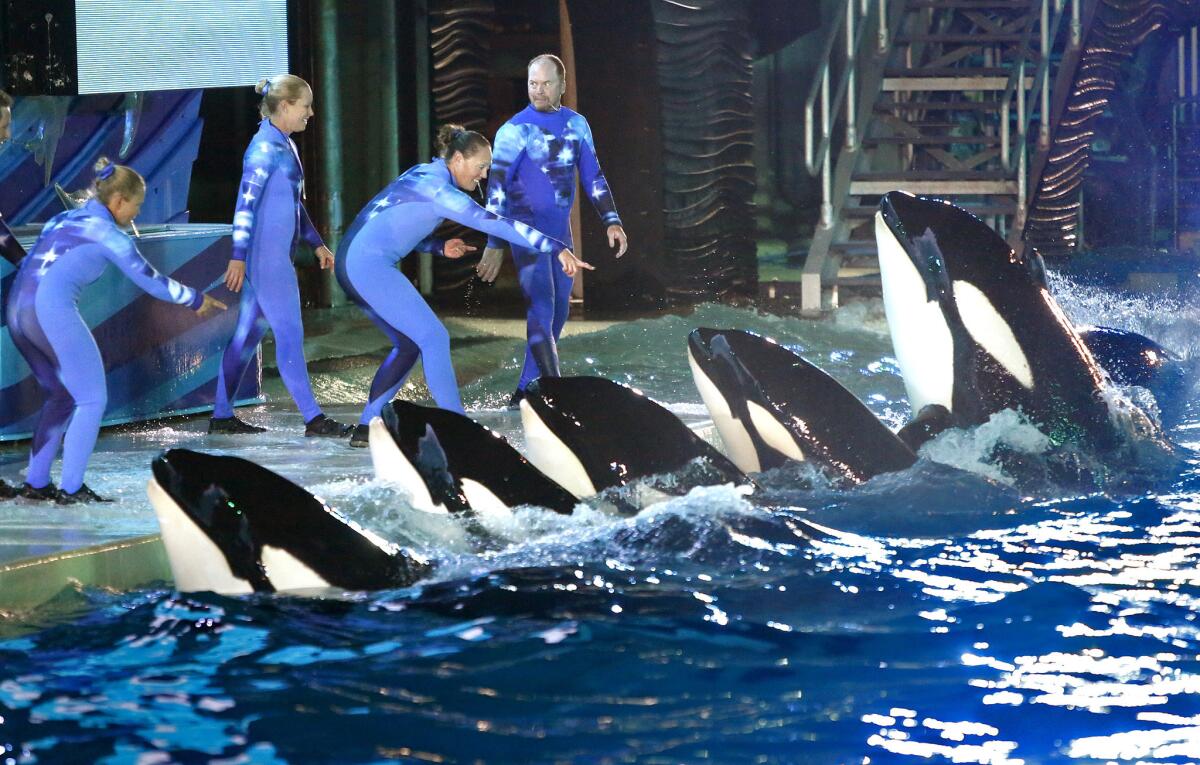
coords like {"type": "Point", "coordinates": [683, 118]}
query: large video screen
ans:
{"type": "Point", "coordinates": [131, 45]}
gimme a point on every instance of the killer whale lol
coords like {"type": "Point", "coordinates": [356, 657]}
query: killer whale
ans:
{"type": "Point", "coordinates": [231, 526]}
{"type": "Point", "coordinates": [590, 434]}
{"type": "Point", "coordinates": [975, 329]}
{"type": "Point", "coordinates": [770, 405]}
{"type": "Point", "coordinates": [450, 463]}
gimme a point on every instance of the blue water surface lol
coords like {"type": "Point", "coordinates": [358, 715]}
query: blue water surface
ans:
{"type": "Point", "coordinates": [969, 610]}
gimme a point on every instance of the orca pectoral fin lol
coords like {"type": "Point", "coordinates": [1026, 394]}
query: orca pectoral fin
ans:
{"type": "Point", "coordinates": [929, 422]}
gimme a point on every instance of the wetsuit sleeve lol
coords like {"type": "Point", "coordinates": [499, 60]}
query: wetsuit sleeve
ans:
{"type": "Point", "coordinates": [506, 154]}
{"type": "Point", "coordinates": [431, 244]}
{"type": "Point", "coordinates": [260, 161]}
{"type": "Point", "coordinates": [460, 208]}
{"type": "Point", "coordinates": [125, 256]}
{"type": "Point", "coordinates": [10, 248]}
{"type": "Point", "coordinates": [595, 185]}
{"type": "Point", "coordinates": [308, 232]}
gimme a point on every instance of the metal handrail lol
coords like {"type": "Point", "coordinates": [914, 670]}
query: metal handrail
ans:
{"type": "Point", "coordinates": [1017, 152]}
{"type": "Point", "coordinates": [854, 22]}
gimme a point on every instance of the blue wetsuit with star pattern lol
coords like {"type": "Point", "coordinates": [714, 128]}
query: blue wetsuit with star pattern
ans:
{"type": "Point", "coordinates": [268, 223]}
{"type": "Point", "coordinates": [534, 161]}
{"type": "Point", "coordinates": [73, 251]}
{"type": "Point", "coordinates": [398, 220]}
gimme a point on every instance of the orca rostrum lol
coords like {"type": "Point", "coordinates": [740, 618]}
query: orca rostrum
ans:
{"type": "Point", "coordinates": [231, 526]}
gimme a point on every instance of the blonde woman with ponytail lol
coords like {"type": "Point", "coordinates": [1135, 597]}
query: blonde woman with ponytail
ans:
{"type": "Point", "coordinates": [268, 223]}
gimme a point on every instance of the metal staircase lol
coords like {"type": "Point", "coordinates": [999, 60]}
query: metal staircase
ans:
{"type": "Point", "coordinates": [934, 97]}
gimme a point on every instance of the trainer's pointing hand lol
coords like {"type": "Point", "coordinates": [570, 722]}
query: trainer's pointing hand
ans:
{"type": "Point", "coordinates": [616, 235]}
{"type": "Point", "coordinates": [572, 264]}
{"type": "Point", "coordinates": [456, 248]}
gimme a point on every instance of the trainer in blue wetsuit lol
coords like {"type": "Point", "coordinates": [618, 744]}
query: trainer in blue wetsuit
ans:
{"type": "Point", "coordinates": [73, 251]}
{"type": "Point", "coordinates": [268, 222]}
{"type": "Point", "coordinates": [400, 219]}
{"type": "Point", "coordinates": [536, 156]}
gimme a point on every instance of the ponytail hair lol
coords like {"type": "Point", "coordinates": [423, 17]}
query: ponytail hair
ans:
{"type": "Point", "coordinates": [452, 139]}
{"type": "Point", "coordinates": [275, 90]}
{"type": "Point", "coordinates": [116, 179]}
{"type": "Point", "coordinates": [6, 100]}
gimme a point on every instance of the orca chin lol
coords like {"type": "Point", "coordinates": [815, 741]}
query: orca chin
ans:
{"type": "Point", "coordinates": [770, 405]}
{"type": "Point", "coordinates": [975, 329]}
{"type": "Point", "coordinates": [450, 463]}
{"type": "Point", "coordinates": [231, 526]}
{"type": "Point", "coordinates": [590, 434]}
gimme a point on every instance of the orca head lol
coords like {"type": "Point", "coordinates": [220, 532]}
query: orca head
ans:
{"type": "Point", "coordinates": [917, 296]}
{"type": "Point", "coordinates": [232, 526]}
{"type": "Point", "coordinates": [590, 434]}
{"type": "Point", "coordinates": [1011, 345]}
{"type": "Point", "coordinates": [450, 463]}
{"type": "Point", "coordinates": [736, 401]}
{"type": "Point", "coordinates": [789, 408]}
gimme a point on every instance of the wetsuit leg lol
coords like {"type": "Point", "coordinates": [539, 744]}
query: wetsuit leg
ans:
{"type": "Point", "coordinates": [278, 295]}
{"type": "Point", "coordinates": [251, 326]}
{"type": "Point", "coordinates": [81, 372]}
{"type": "Point", "coordinates": [394, 301]}
{"type": "Point", "coordinates": [394, 369]}
{"type": "Point", "coordinates": [52, 420]}
{"type": "Point", "coordinates": [535, 274]}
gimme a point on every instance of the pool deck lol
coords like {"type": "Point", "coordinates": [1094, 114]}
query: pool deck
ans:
{"type": "Point", "coordinates": [46, 548]}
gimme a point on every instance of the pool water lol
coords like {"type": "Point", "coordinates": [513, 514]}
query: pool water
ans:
{"type": "Point", "coordinates": [966, 610]}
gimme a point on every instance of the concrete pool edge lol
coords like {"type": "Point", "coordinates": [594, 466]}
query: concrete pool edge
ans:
{"type": "Point", "coordinates": [124, 564]}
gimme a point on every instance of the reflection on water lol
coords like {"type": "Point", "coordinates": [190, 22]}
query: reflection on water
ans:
{"type": "Point", "coordinates": [958, 612]}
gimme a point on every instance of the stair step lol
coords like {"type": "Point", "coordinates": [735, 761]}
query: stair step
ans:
{"type": "Point", "coordinates": [887, 106]}
{"type": "Point", "coordinates": [979, 38]}
{"type": "Point", "coordinates": [934, 140]}
{"type": "Point", "coordinates": [934, 182]}
{"type": "Point", "coordinates": [976, 5]}
{"type": "Point", "coordinates": [957, 83]}
{"type": "Point", "coordinates": [854, 249]}
{"type": "Point", "coordinates": [980, 210]}
{"type": "Point", "coordinates": [860, 278]}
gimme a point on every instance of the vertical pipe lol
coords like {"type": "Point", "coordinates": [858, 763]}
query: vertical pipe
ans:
{"type": "Point", "coordinates": [884, 40]}
{"type": "Point", "coordinates": [389, 92]}
{"type": "Point", "coordinates": [567, 48]}
{"type": "Point", "coordinates": [1180, 50]}
{"type": "Point", "coordinates": [851, 93]}
{"type": "Point", "coordinates": [1044, 118]}
{"type": "Point", "coordinates": [1195, 63]}
{"type": "Point", "coordinates": [1076, 26]}
{"type": "Point", "coordinates": [826, 171]}
{"type": "Point", "coordinates": [330, 110]}
{"type": "Point", "coordinates": [424, 118]}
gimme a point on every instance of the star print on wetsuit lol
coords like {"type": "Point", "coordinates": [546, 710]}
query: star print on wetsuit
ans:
{"type": "Point", "coordinates": [73, 251]}
{"type": "Point", "coordinates": [400, 219]}
{"type": "Point", "coordinates": [268, 222]}
{"type": "Point", "coordinates": [270, 152]}
{"type": "Point", "coordinates": [533, 171]}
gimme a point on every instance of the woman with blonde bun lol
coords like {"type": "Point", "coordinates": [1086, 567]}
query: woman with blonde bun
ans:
{"type": "Point", "coordinates": [268, 222]}
{"type": "Point", "coordinates": [74, 249]}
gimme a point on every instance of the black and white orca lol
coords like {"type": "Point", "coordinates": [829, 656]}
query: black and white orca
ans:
{"type": "Point", "coordinates": [770, 405]}
{"type": "Point", "coordinates": [231, 526]}
{"type": "Point", "coordinates": [450, 463]}
{"type": "Point", "coordinates": [975, 329]}
{"type": "Point", "coordinates": [590, 434]}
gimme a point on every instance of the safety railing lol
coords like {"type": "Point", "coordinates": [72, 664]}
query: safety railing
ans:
{"type": "Point", "coordinates": [1015, 154]}
{"type": "Point", "coordinates": [834, 107]}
